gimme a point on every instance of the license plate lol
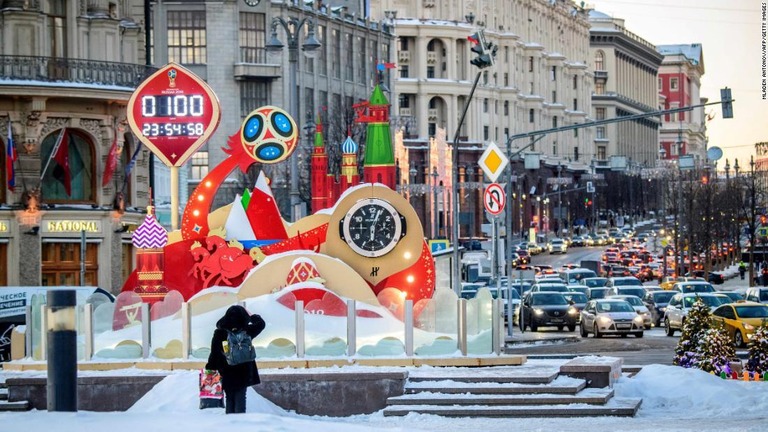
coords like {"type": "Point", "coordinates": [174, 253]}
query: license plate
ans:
{"type": "Point", "coordinates": [623, 326]}
{"type": "Point", "coordinates": [557, 320]}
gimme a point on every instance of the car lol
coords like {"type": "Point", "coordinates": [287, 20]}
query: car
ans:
{"type": "Point", "coordinates": [547, 309]}
{"type": "Point", "coordinates": [594, 282]}
{"type": "Point", "coordinates": [756, 294]}
{"type": "Point", "coordinates": [679, 306]}
{"type": "Point", "coordinates": [575, 275]}
{"type": "Point", "coordinates": [636, 291]}
{"type": "Point", "coordinates": [713, 277]}
{"type": "Point", "coordinates": [557, 245]}
{"type": "Point", "coordinates": [577, 300]}
{"type": "Point", "coordinates": [623, 281]}
{"type": "Point", "coordinates": [668, 282]}
{"type": "Point", "coordinates": [693, 287]}
{"type": "Point", "coordinates": [598, 293]}
{"type": "Point", "coordinates": [578, 288]}
{"type": "Point", "coordinates": [639, 307]}
{"type": "Point", "coordinates": [733, 295]}
{"type": "Point", "coordinates": [550, 286]}
{"type": "Point", "coordinates": [579, 241]}
{"type": "Point", "coordinates": [656, 302]}
{"type": "Point", "coordinates": [610, 316]}
{"type": "Point", "coordinates": [649, 288]}
{"type": "Point", "coordinates": [740, 320]}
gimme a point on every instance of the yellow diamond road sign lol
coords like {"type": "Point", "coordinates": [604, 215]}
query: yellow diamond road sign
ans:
{"type": "Point", "coordinates": [493, 161]}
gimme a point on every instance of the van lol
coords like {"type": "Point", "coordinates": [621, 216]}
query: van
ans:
{"type": "Point", "coordinates": [15, 299]}
{"type": "Point", "coordinates": [574, 276]}
{"type": "Point", "coordinates": [759, 295]}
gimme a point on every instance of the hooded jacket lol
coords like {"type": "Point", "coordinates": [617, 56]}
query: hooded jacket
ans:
{"type": "Point", "coordinates": [242, 375]}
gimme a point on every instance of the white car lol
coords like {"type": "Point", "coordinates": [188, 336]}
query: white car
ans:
{"type": "Point", "coordinates": [610, 316]}
{"type": "Point", "coordinates": [679, 306]}
{"type": "Point", "coordinates": [557, 246]}
{"type": "Point", "coordinates": [639, 307]}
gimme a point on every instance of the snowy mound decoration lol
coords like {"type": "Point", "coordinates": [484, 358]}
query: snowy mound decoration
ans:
{"type": "Point", "coordinates": [367, 247]}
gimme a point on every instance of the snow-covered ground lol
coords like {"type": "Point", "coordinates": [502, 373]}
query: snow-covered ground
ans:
{"type": "Point", "coordinates": [674, 399]}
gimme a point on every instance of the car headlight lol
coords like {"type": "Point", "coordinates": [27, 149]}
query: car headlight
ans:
{"type": "Point", "coordinates": [638, 319]}
{"type": "Point", "coordinates": [573, 311]}
{"type": "Point", "coordinates": [604, 320]}
{"type": "Point", "coordinates": [538, 311]}
{"type": "Point", "coordinates": [662, 309]}
{"type": "Point", "coordinates": [748, 326]}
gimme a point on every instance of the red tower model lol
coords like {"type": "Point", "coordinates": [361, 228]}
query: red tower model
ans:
{"type": "Point", "coordinates": [320, 179]}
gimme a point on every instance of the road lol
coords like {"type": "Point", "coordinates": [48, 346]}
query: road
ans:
{"type": "Point", "coordinates": [654, 347]}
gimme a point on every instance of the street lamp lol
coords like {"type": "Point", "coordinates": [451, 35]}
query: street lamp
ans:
{"type": "Point", "coordinates": [412, 172]}
{"type": "Point", "coordinates": [469, 178]}
{"type": "Point", "coordinates": [292, 27]}
{"type": "Point", "coordinates": [435, 227]}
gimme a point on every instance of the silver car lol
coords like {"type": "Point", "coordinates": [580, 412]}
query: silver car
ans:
{"type": "Point", "coordinates": [679, 306]}
{"type": "Point", "coordinates": [639, 307]}
{"type": "Point", "coordinates": [557, 245]}
{"type": "Point", "coordinates": [610, 316]}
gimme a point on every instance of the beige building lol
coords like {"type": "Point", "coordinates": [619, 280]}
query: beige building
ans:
{"type": "Point", "coordinates": [540, 80]}
{"type": "Point", "coordinates": [625, 67]}
{"type": "Point", "coordinates": [69, 66]}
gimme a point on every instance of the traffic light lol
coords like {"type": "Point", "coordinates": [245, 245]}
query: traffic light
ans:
{"type": "Point", "coordinates": [486, 51]}
{"type": "Point", "coordinates": [726, 103]}
{"type": "Point", "coordinates": [763, 219]}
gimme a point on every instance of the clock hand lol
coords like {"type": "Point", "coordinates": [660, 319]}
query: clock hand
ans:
{"type": "Point", "coordinates": [375, 222]}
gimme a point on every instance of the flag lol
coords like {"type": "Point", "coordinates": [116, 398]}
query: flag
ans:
{"type": "Point", "coordinates": [473, 38]}
{"type": "Point", "coordinates": [109, 167]}
{"type": "Point", "coordinates": [60, 155]}
{"type": "Point", "coordinates": [10, 159]}
{"type": "Point", "coordinates": [132, 162]}
{"type": "Point", "coordinates": [385, 65]}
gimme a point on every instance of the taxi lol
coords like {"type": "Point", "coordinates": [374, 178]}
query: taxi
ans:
{"type": "Point", "coordinates": [740, 319]}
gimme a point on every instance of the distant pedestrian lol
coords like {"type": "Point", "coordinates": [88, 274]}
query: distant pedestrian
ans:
{"type": "Point", "coordinates": [236, 378]}
{"type": "Point", "coordinates": [742, 269]}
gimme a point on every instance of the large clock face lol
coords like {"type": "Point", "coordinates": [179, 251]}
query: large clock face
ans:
{"type": "Point", "coordinates": [372, 227]}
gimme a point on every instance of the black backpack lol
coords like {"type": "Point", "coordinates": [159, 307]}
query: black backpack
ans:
{"type": "Point", "coordinates": [238, 348]}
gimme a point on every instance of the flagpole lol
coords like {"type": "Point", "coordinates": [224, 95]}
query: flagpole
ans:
{"type": "Point", "coordinates": [53, 153]}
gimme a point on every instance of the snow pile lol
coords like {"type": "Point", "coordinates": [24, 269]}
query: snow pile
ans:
{"type": "Point", "coordinates": [692, 393]}
{"type": "Point", "coordinates": [179, 392]}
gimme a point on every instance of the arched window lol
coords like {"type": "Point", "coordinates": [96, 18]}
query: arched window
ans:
{"type": "Point", "coordinates": [80, 169]}
{"type": "Point", "coordinates": [599, 61]}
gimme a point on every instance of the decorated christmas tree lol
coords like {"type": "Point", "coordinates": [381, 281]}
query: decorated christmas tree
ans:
{"type": "Point", "coordinates": [694, 326]}
{"type": "Point", "coordinates": [715, 351]}
{"type": "Point", "coordinates": [758, 351]}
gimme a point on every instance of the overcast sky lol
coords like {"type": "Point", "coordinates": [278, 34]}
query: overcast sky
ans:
{"type": "Point", "coordinates": [730, 34]}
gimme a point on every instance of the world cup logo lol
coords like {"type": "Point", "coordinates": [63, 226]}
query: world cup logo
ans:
{"type": "Point", "coordinates": [269, 135]}
{"type": "Point", "coordinates": [172, 78]}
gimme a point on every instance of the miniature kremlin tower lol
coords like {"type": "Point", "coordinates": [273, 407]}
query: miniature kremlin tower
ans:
{"type": "Point", "coordinates": [379, 163]}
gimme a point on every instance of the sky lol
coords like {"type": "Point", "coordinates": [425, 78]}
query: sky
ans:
{"type": "Point", "coordinates": [674, 399]}
{"type": "Point", "coordinates": [730, 34]}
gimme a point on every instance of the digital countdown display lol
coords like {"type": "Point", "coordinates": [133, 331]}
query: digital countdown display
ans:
{"type": "Point", "coordinates": [173, 112]}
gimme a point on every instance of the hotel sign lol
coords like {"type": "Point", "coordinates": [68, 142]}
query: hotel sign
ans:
{"type": "Point", "coordinates": [72, 226]}
{"type": "Point", "coordinates": [5, 226]}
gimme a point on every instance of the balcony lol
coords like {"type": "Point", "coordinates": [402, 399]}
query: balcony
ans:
{"type": "Point", "coordinates": [254, 64]}
{"type": "Point", "coordinates": [53, 69]}
{"type": "Point", "coordinates": [601, 75]}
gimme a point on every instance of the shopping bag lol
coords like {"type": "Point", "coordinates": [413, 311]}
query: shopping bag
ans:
{"type": "Point", "coordinates": [211, 393]}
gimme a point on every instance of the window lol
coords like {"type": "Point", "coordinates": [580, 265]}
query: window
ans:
{"type": "Point", "coordinates": [349, 62]}
{"type": "Point", "coordinates": [309, 101]}
{"type": "Point", "coordinates": [252, 37]}
{"type": "Point", "coordinates": [187, 37]}
{"type": "Point", "coordinates": [81, 167]}
{"type": "Point", "coordinates": [575, 104]}
{"type": "Point", "coordinates": [599, 88]}
{"type": "Point", "coordinates": [362, 60]}
{"type": "Point", "coordinates": [486, 133]}
{"type": "Point", "coordinates": [673, 84]}
{"type": "Point", "coordinates": [506, 54]}
{"type": "Point", "coordinates": [530, 115]}
{"type": "Point", "coordinates": [199, 168]}
{"type": "Point", "coordinates": [253, 94]}
{"type": "Point", "coordinates": [431, 129]}
{"type": "Point", "coordinates": [57, 28]}
{"type": "Point", "coordinates": [530, 64]}
{"type": "Point", "coordinates": [403, 101]}
{"type": "Point", "coordinates": [553, 73]}
{"type": "Point", "coordinates": [485, 105]}
{"type": "Point", "coordinates": [575, 133]}
{"type": "Point", "coordinates": [554, 148]}
{"type": "Point", "coordinates": [485, 77]}
{"type": "Point", "coordinates": [575, 82]}
{"type": "Point", "coordinates": [661, 84]}
{"type": "Point", "coordinates": [601, 152]}
{"type": "Point", "coordinates": [532, 143]}
{"type": "Point", "coordinates": [599, 61]}
{"type": "Point", "coordinates": [554, 121]}
{"type": "Point", "coordinates": [404, 72]}
{"type": "Point", "coordinates": [576, 153]}
{"type": "Point", "coordinates": [506, 79]}
{"type": "Point", "coordinates": [61, 264]}
{"type": "Point", "coordinates": [600, 132]}
{"type": "Point", "coordinates": [506, 108]}
{"type": "Point", "coordinates": [599, 113]}
{"type": "Point", "coordinates": [322, 65]}
{"type": "Point", "coordinates": [403, 44]}
{"type": "Point", "coordinates": [673, 116]}
{"type": "Point", "coordinates": [430, 71]}
{"type": "Point", "coordinates": [336, 56]}
{"type": "Point", "coordinates": [554, 96]}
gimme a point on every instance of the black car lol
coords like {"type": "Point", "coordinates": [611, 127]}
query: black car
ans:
{"type": "Point", "coordinates": [656, 302]}
{"type": "Point", "coordinates": [547, 309]}
{"type": "Point", "coordinates": [714, 278]}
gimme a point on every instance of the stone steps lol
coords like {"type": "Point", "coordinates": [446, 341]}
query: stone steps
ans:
{"type": "Point", "coordinates": [5, 405]}
{"type": "Point", "coordinates": [586, 396]}
{"type": "Point", "coordinates": [560, 385]}
{"type": "Point", "coordinates": [624, 407]}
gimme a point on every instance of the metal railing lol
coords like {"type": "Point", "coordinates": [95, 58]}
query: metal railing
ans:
{"type": "Point", "coordinates": [55, 69]}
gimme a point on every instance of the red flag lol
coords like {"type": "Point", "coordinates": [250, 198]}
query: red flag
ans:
{"type": "Point", "coordinates": [10, 157]}
{"type": "Point", "coordinates": [61, 171]}
{"type": "Point", "coordinates": [109, 167]}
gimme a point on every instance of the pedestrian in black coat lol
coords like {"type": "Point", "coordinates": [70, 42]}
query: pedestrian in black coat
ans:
{"type": "Point", "coordinates": [235, 379]}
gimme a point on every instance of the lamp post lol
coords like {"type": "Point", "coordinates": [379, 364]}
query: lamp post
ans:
{"type": "Point", "coordinates": [559, 201]}
{"type": "Point", "coordinates": [412, 172]}
{"type": "Point", "coordinates": [292, 27]}
{"type": "Point", "coordinates": [469, 179]}
{"type": "Point", "coordinates": [435, 216]}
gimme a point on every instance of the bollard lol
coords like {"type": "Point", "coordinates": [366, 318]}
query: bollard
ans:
{"type": "Point", "coordinates": [186, 330]}
{"type": "Point", "coordinates": [497, 325]}
{"type": "Point", "coordinates": [299, 329]}
{"type": "Point", "coordinates": [461, 329]}
{"type": "Point", "coordinates": [146, 331]}
{"type": "Point", "coordinates": [408, 324]}
{"type": "Point", "coordinates": [88, 318]}
{"type": "Point", "coordinates": [351, 328]}
{"type": "Point", "coordinates": [61, 351]}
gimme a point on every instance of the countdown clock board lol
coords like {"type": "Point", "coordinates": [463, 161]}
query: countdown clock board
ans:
{"type": "Point", "coordinates": [173, 112]}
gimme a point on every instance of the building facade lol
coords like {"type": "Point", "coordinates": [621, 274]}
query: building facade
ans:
{"type": "Point", "coordinates": [225, 43]}
{"type": "Point", "coordinates": [679, 85]}
{"type": "Point", "coordinates": [67, 70]}
{"type": "Point", "coordinates": [626, 67]}
{"type": "Point", "coordinates": [540, 80]}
